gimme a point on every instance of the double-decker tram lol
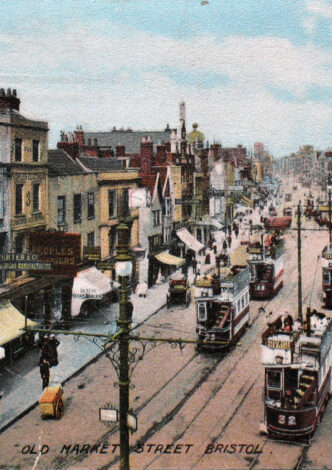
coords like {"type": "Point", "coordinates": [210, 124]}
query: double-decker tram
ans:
{"type": "Point", "coordinates": [327, 276]}
{"type": "Point", "coordinates": [266, 263]}
{"type": "Point", "coordinates": [222, 304]}
{"type": "Point", "coordinates": [297, 360]}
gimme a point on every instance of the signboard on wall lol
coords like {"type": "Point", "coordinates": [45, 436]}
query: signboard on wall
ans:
{"type": "Point", "coordinates": [62, 250]}
{"type": "Point", "coordinates": [92, 253]}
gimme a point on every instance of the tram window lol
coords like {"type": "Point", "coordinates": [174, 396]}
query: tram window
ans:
{"type": "Point", "coordinates": [273, 379]}
{"type": "Point", "coordinates": [242, 302]}
{"type": "Point", "coordinates": [202, 311]}
{"type": "Point", "coordinates": [327, 277]}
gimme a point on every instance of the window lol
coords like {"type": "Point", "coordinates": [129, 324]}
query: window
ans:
{"type": "Point", "coordinates": [112, 240]}
{"type": "Point", "coordinates": [91, 206]}
{"type": "Point", "coordinates": [156, 218]}
{"type": "Point", "coordinates": [61, 210]}
{"type": "Point", "coordinates": [18, 150]}
{"type": "Point", "coordinates": [202, 316]}
{"type": "Point", "coordinates": [19, 199]}
{"type": "Point", "coordinates": [125, 202]}
{"type": "Point", "coordinates": [111, 203]}
{"type": "Point", "coordinates": [168, 206]}
{"type": "Point", "coordinates": [1, 201]}
{"type": "Point", "coordinates": [35, 198]}
{"type": "Point", "coordinates": [77, 208]}
{"type": "Point", "coordinates": [91, 239]}
{"type": "Point", "coordinates": [273, 379]}
{"type": "Point", "coordinates": [35, 150]}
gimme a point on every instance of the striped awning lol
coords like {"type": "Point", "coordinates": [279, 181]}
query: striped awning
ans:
{"type": "Point", "coordinates": [11, 322]}
{"type": "Point", "coordinates": [166, 258]}
{"type": "Point", "coordinates": [191, 242]}
{"type": "Point", "coordinates": [247, 201]}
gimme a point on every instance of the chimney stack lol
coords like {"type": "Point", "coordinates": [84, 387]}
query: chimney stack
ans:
{"type": "Point", "coordinates": [9, 100]}
{"type": "Point", "coordinates": [146, 156]}
{"type": "Point", "coordinates": [79, 136]}
{"type": "Point", "coordinates": [161, 153]}
{"type": "Point", "coordinates": [120, 151]}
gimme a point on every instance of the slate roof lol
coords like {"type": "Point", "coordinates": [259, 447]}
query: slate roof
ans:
{"type": "Point", "coordinates": [130, 139]}
{"type": "Point", "coordinates": [61, 164]}
{"type": "Point", "coordinates": [101, 164]}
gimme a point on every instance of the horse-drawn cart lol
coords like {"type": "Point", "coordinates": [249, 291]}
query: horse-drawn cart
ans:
{"type": "Point", "coordinates": [178, 290]}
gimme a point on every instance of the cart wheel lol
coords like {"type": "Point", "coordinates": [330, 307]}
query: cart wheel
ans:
{"type": "Point", "coordinates": [59, 409]}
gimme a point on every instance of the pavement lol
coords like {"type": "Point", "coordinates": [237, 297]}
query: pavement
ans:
{"type": "Point", "coordinates": [21, 383]}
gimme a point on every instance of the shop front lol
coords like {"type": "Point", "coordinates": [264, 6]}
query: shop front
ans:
{"type": "Point", "coordinates": [13, 340]}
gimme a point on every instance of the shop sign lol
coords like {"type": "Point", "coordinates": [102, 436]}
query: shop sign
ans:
{"type": "Point", "coordinates": [92, 253]}
{"type": "Point", "coordinates": [276, 344]}
{"type": "Point", "coordinates": [22, 262]}
{"type": "Point", "coordinates": [22, 177]}
{"type": "Point", "coordinates": [61, 249]}
{"type": "Point", "coordinates": [104, 265]}
{"type": "Point", "coordinates": [255, 251]}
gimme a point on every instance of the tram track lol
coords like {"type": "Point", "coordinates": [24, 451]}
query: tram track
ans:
{"type": "Point", "coordinates": [145, 404]}
{"type": "Point", "coordinates": [170, 415]}
{"type": "Point", "coordinates": [291, 287]}
{"type": "Point", "coordinates": [220, 386]}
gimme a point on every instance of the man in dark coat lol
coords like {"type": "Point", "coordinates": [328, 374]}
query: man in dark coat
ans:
{"type": "Point", "coordinates": [44, 367]}
{"type": "Point", "coordinates": [53, 343]}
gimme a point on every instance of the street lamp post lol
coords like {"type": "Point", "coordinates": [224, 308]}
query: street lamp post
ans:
{"type": "Point", "coordinates": [123, 268]}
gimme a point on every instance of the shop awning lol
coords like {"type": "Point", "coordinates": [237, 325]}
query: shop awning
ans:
{"type": "Point", "coordinates": [172, 260]}
{"type": "Point", "coordinates": [11, 322]}
{"type": "Point", "coordinates": [88, 284]}
{"type": "Point", "coordinates": [191, 242]}
{"type": "Point", "coordinates": [247, 201]}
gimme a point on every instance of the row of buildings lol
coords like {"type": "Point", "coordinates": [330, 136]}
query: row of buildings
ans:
{"type": "Point", "coordinates": [310, 165]}
{"type": "Point", "coordinates": [170, 186]}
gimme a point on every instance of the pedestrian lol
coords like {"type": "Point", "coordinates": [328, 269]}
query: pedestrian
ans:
{"type": "Point", "coordinates": [194, 265]}
{"type": "Point", "coordinates": [43, 345]}
{"type": "Point", "coordinates": [208, 258]}
{"type": "Point", "coordinates": [236, 230]}
{"type": "Point", "coordinates": [229, 239]}
{"type": "Point", "coordinates": [52, 351]}
{"type": "Point", "coordinates": [44, 367]}
{"type": "Point", "coordinates": [224, 246]}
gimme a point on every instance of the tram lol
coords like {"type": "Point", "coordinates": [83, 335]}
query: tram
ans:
{"type": "Point", "coordinates": [222, 304]}
{"type": "Point", "coordinates": [266, 263]}
{"type": "Point", "coordinates": [327, 276]}
{"type": "Point", "coordinates": [297, 360]}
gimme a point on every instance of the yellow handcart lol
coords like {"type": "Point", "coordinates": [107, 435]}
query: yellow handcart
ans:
{"type": "Point", "coordinates": [51, 402]}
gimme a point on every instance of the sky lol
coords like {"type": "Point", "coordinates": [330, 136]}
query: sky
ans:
{"type": "Point", "coordinates": [248, 70]}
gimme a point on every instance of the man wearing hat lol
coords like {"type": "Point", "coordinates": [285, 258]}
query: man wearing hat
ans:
{"type": "Point", "coordinates": [53, 343]}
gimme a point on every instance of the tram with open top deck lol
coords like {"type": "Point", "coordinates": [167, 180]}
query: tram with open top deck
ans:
{"type": "Point", "coordinates": [297, 360]}
{"type": "Point", "coordinates": [327, 276]}
{"type": "Point", "coordinates": [266, 263]}
{"type": "Point", "coordinates": [222, 304]}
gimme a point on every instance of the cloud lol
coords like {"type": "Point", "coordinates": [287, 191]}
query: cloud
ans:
{"type": "Point", "coordinates": [112, 76]}
{"type": "Point", "coordinates": [320, 8]}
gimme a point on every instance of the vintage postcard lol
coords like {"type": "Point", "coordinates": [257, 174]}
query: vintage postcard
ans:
{"type": "Point", "coordinates": [165, 234]}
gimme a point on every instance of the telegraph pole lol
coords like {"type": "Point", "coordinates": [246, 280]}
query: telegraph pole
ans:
{"type": "Point", "coordinates": [299, 265]}
{"type": "Point", "coordinates": [123, 269]}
